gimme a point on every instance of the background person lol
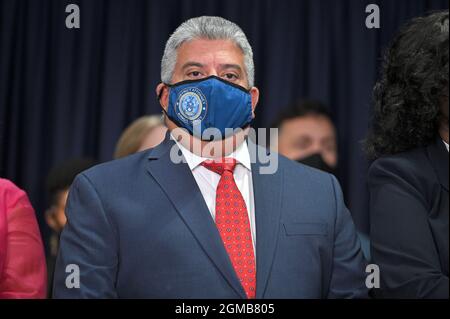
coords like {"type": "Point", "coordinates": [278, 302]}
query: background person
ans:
{"type": "Point", "coordinates": [144, 133]}
{"type": "Point", "coordinates": [22, 260]}
{"type": "Point", "coordinates": [307, 135]}
{"type": "Point", "coordinates": [408, 181]}
{"type": "Point", "coordinates": [58, 183]}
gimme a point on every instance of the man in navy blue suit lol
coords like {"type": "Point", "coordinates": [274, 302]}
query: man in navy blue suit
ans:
{"type": "Point", "coordinates": [207, 213]}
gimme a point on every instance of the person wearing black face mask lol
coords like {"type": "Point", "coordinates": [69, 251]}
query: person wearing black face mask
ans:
{"type": "Point", "coordinates": [316, 160]}
{"type": "Point", "coordinates": [307, 135]}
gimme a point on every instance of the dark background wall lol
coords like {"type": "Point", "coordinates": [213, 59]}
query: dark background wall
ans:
{"type": "Point", "coordinates": [70, 92]}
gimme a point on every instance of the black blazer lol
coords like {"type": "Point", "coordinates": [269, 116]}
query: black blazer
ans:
{"type": "Point", "coordinates": [409, 222]}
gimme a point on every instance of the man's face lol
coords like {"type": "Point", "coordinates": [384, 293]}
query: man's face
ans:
{"type": "Point", "coordinates": [200, 58]}
{"type": "Point", "coordinates": [304, 136]}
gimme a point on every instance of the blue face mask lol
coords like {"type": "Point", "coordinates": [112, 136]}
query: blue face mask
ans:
{"type": "Point", "coordinates": [202, 105]}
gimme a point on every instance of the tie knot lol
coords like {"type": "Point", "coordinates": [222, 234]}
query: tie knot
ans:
{"type": "Point", "coordinates": [221, 165]}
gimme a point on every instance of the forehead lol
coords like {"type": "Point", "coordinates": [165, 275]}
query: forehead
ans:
{"type": "Point", "coordinates": [208, 51]}
{"type": "Point", "coordinates": [313, 125]}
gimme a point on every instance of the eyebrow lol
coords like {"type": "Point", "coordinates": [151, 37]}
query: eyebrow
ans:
{"type": "Point", "coordinates": [190, 64]}
{"type": "Point", "coordinates": [222, 66]}
{"type": "Point", "coordinates": [231, 66]}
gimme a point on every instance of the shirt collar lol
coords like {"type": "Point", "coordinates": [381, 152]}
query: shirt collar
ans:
{"type": "Point", "coordinates": [446, 145]}
{"type": "Point", "coordinates": [241, 155]}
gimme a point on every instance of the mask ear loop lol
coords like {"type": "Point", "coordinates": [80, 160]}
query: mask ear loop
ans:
{"type": "Point", "coordinates": [158, 97]}
{"type": "Point", "coordinates": [164, 111]}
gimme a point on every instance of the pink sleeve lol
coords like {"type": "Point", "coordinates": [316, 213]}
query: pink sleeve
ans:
{"type": "Point", "coordinates": [23, 271]}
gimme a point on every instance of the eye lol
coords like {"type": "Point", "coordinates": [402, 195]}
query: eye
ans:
{"type": "Point", "coordinates": [194, 74]}
{"type": "Point", "coordinates": [230, 76]}
{"type": "Point", "coordinates": [303, 143]}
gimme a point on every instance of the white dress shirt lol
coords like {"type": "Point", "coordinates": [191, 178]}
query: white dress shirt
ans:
{"type": "Point", "coordinates": [446, 145]}
{"type": "Point", "coordinates": [207, 181]}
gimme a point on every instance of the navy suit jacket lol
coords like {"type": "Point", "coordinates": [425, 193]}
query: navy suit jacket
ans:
{"type": "Point", "coordinates": [409, 222]}
{"type": "Point", "coordinates": [139, 227]}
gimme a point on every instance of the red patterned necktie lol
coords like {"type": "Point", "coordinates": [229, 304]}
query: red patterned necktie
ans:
{"type": "Point", "coordinates": [233, 223]}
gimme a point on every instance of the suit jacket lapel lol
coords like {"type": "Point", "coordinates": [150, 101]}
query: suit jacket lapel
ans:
{"type": "Point", "coordinates": [439, 159]}
{"type": "Point", "coordinates": [267, 194]}
{"type": "Point", "coordinates": [179, 184]}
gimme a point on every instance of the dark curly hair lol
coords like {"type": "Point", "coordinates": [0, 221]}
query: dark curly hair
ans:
{"type": "Point", "coordinates": [301, 108]}
{"type": "Point", "coordinates": [412, 84]}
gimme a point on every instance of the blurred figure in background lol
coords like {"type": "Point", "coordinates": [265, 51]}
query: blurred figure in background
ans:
{"type": "Point", "coordinates": [408, 181]}
{"type": "Point", "coordinates": [22, 260]}
{"type": "Point", "coordinates": [58, 183]}
{"type": "Point", "coordinates": [144, 133]}
{"type": "Point", "coordinates": [307, 135]}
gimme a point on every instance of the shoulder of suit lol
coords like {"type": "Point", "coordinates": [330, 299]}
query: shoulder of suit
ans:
{"type": "Point", "coordinates": [412, 166]}
{"type": "Point", "coordinates": [412, 159]}
{"type": "Point", "coordinates": [117, 169]}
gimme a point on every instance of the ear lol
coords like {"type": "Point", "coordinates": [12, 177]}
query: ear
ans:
{"type": "Point", "coordinates": [254, 92]}
{"type": "Point", "coordinates": [162, 91]}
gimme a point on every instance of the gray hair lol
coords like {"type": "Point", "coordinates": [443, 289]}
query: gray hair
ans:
{"type": "Point", "coordinates": [212, 28]}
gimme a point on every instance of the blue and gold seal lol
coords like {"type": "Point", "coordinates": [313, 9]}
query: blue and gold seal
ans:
{"type": "Point", "coordinates": [191, 105]}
